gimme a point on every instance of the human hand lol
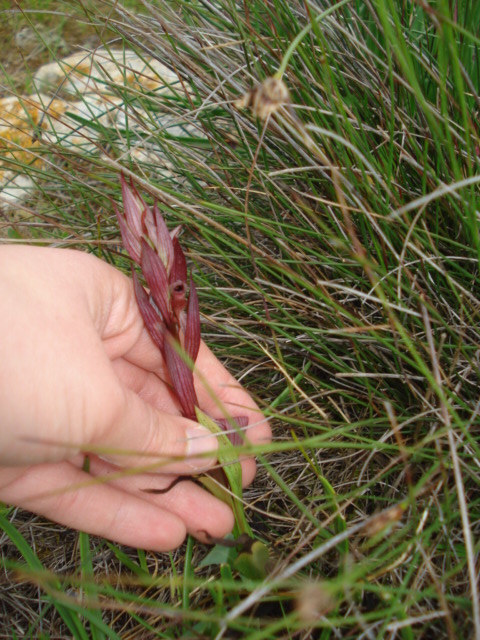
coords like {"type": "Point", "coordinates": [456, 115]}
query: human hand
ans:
{"type": "Point", "coordinates": [79, 375]}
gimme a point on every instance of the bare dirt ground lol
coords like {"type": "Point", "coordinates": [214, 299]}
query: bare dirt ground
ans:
{"type": "Point", "coordinates": [32, 36]}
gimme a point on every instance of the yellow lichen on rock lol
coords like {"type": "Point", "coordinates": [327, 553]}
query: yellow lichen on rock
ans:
{"type": "Point", "coordinates": [72, 100]}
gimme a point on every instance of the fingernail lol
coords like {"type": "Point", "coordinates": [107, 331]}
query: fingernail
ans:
{"type": "Point", "coordinates": [200, 441]}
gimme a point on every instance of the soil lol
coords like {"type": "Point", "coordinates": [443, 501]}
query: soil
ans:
{"type": "Point", "coordinates": [32, 38]}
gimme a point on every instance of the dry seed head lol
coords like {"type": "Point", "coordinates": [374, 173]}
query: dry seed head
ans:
{"type": "Point", "coordinates": [380, 522]}
{"type": "Point", "coordinates": [313, 601]}
{"type": "Point", "coordinates": [265, 99]}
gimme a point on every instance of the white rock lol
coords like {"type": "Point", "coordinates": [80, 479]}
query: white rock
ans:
{"type": "Point", "coordinates": [73, 100]}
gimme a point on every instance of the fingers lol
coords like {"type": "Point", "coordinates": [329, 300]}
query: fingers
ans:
{"type": "Point", "coordinates": [197, 508]}
{"type": "Point", "coordinates": [136, 434]}
{"type": "Point", "coordinates": [115, 506]}
{"type": "Point", "coordinates": [52, 490]}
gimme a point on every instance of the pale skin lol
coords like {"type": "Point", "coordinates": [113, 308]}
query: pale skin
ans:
{"type": "Point", "coordinates": [80, 375]}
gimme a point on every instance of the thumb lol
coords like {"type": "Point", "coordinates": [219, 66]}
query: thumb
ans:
{"type": "Point", "coordinates": [139, 435]}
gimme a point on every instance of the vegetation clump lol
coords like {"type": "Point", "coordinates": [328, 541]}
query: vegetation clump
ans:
{"type": "Point", "coordinates": [326, 163]}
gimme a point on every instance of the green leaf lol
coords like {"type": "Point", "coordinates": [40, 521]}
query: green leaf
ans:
{"type": "Point", "coordinates": [219, 554]}
{"type": "Point", "coordinates": [86, 562]}
{"type": "Point", "coordinates": [68, 612]}
{"type": "Point", "coordinates": [228, 458]}
{"type": "Point", "coordinates": [339, 521]}
{"type": "Point", "coordinates": [253, 564]}
{"type": "Point", "coordinates": [125, 560]}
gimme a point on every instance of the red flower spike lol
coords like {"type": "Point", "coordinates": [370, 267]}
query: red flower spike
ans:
{"type": "Point", "coordinates": [163, 244]}
{"type": "Point", "coordinates": [174, 233]}
{"type": "Point", "coordinates": [229, 425]}
{"type": "Point", "coordinates": [134, 206]}
{"type": "Point", "coordinates": [152, 320]}
{"type": "Point", "coordinates": [181, 377]}
{"type": "Point", "coordinates": [165, 272]}
{"type": "Point", "coordinates": [149, 227]}
{"type": "Point", "coordinates": [130, 241]}
{"type": "Point", "coordinates": [179, 265]}
{"type": "Point", "coordinates": [192, 328]}
{"type": "Point", "coordinates": [178, 300]}
{"type": "Point", "coordinates": [156, 277]}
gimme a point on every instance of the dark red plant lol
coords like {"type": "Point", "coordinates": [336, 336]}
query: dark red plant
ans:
{"type": "Point", "coordinates": [172, 318]}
